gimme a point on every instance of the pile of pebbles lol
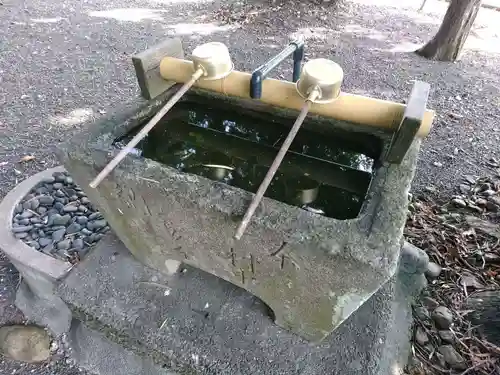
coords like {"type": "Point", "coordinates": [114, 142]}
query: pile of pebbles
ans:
{"type": "Point", "coordinates": [58, 219]}
{"type": "Point", "coordinates": [479, 195]}
{"type": "Point", "coordinates": [433, 332]}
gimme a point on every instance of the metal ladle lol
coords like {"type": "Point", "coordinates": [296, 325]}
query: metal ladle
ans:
{"type": "Point", "coordinates": [319, 82]}
{"type": "Point", "coordinates": [211, 61]}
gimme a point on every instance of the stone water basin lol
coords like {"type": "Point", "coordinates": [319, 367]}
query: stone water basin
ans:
{"type": "Point", "coordinates": [324, 239]}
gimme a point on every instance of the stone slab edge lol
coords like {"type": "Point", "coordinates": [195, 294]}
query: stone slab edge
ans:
{"type": "Point", "coordinates": [129, 315]}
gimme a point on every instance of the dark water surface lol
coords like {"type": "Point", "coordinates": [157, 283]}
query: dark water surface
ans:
{"type": "Point", "coordinates": [325, 174]}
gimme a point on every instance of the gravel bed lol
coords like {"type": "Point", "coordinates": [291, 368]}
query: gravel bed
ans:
{"type": "Point", "coordinates": [58, 219]}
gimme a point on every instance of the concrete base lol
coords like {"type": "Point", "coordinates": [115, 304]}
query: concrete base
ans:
{"type": "Point", "coordinates": [97, 354]}
{"type": "Point", "coordinates": [195, 323]}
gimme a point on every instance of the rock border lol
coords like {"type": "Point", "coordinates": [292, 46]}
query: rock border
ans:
{"type": "Point", "coordinates": [15, 249]}
{"type": "Point", "coordinates": [39, 272]}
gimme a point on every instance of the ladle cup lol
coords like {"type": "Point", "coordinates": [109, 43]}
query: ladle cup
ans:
{"type": "Point", "coordinates": [211, 61]}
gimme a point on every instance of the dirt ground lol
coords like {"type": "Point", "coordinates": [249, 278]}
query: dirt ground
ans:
{"type": "Point", "coordinates": [66, 61]}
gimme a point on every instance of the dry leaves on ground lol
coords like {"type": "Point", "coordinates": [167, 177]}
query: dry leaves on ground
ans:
{"type": "Point", "coordinates": [463, 237]}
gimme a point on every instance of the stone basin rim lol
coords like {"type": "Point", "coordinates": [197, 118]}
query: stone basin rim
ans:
{"type": "Point", "coordinates": [93, 146]}
{"type": "Point", "coordinates": [103, 132]}
{"type": "Point", "coordinates": [15, 249]}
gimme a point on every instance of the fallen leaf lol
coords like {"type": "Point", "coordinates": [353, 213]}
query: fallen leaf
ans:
{"type": "Point", "coordinates": [470, 281]}
{"type": "Point", "coordinates": [471, 180]}
{"type": "Point", "coordinates": [27, 158]}
{"type": "Point", "coordinates": [483, 226]}
{"type": "Point", "coordinates": [471, 232]}
{"type": "Point", "coordinates": [491, 273]}
{"type": "Point", "coordinates": [491, 257]}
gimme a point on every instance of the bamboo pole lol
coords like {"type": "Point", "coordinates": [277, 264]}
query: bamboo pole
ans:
{"type": "Point", "coordinates": [347, 107]}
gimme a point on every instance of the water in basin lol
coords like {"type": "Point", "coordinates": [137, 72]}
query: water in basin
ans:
{"type": "Point", "coordinates": [327, 174]}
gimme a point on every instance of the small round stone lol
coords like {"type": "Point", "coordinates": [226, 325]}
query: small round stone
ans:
{"type": "Point", "coordinates": [35, 203]}
{"type": "Point", "coordinates": [433, 270]}
{"type": "Point", "coordinates": [58, 235]}
{"type": "Point", "coordinates": [58, 185]}
{"type": "Point", "coordinates": [82, 220]}
{"type": "Point", "coordinates": [422, 313]}
{"type": "Point", "coordinates": [59, 194]}
{"type": "Point", "coordinates": [64, 245]}
{"type": "Point", "coordinates": [27, 214]}
{"type": "Point", "coordinates": [35, 245]}
{"type": "Point", "coordinates": [452, 357]}
{"type": "Point", "coordinates": [64, 201]}
{"type": "Point", "coordinates": [41, 210]}
{"type": "Point", "coordinates": [69, 180]}
{"type": "Point", "coordinates": [22, 228]}
{"type": "Point", "coordinates": [92, 238]}
{"type": "Point", "coordinates": [412, 259]}
{"type": "Point", "coordinates": [19, 208]}
{"type": "Point", "coordinates": [421, 337]}
{"type": "Point", "coordinates": [59, 176]}
{"type": "Point", "coordinates": [78, 244]}
{"type": "Point", "coordinates": [94, 216]}
{"type": "Point", "coordinates": [446, 336]}
{"type": "Point", "coordinates": [69, 192]}
{"type": "Point", "coordinates": [443, 317]}
{"type": "Point", "coordinates": [86, 232]}
{"type": "Point", "coordinates": [51, 212]}
{"type": "Point", "coordinates": [73, 228]}
{"type": "Point", "coordinates": [21, 235]}
{"type": "Point", "coordinates": [48, 248]}
{"type": "Point", "coordinates": [98, 224]}
{"type": "Point", "coordinates": [44, 241]}
{"type": "Point", "coordinates": [57, 219]}
{"type": "Point", "coordinates": [24, 221]}
{"type": "Point", "coordinates": [70, 208]}
{"type": "Point", "coordinates": [49, 180]}
{"type": "Point", "coordinates": [58, 206]}
{"type": "Point", "coordinates": [42, 190]}
{"type": "Point", "coordinates": [46, 201]}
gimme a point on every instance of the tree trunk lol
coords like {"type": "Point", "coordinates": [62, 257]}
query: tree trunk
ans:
{"type": "Point", "coordinates": [450, 38]}
{"type": "Point", "coordinates": [486, 314]}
